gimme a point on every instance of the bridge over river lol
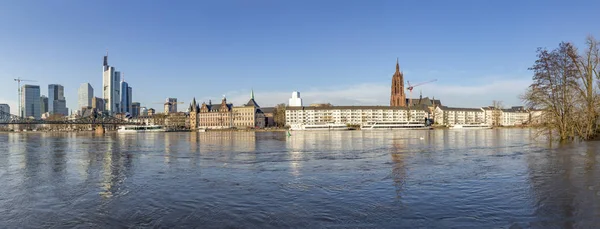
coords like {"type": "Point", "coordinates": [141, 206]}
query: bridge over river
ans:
{"type": "Point", "coordinates": [94, 120]}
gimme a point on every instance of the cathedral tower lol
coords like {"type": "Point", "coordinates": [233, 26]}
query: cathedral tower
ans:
{"type": "Point", "coordinates": [398, 98]}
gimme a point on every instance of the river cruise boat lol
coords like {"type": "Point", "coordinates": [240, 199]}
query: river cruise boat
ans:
{"type": "Point", "coordinates": [325, 126]}
{"type": "Point", "coordinates": [143, 128]}
{"type": "Point", "coordinates": [471, 126]}
{"type": "Point", "coordinates": [395, 126]}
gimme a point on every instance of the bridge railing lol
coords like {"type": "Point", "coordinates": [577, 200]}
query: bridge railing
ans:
{"type": "Point", "coordinates": [96, 118]}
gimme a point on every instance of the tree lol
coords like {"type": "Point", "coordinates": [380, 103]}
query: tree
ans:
{"type": "Point", "coordinates": [554, 89]}
{"type": "Point", "coordinates": [587, 73]}
{"type": "Point", "coordinates": [496, 113]}
{"type": "Point", "coordinates": [279, 115]}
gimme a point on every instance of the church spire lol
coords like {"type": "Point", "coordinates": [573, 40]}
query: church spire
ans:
{"type": "Point", "coordinates": [252, 94]}
{"type": "Point", "coordinates": [397, 65]}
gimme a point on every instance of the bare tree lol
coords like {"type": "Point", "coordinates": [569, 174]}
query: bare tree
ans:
{"type": "Point", "coordinates": [279, 115]}
{"type": "Point", "coordinates": [554, 89]}
{"type": "Point", "coordinates": [497, 113]}
{"type": "Point", "coordinates": [587, 99]}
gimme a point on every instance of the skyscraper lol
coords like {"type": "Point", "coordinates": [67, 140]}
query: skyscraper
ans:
{"type": "Point", "coordinates": [57, 103]}
{"type": "Point", "coordinates": [398, 97]}
{"type": "Point", "coordinates": [44, 104]}
{"type": "Point", "coordinates": [98, 104]}
{"type": "Point", "coordinates": [171, 105]}
{"type": "Point", "coordinates": [5, 108]}
{"type": "Point", "coordinates": [86, 94]}
{"type": "Point", "coordinates": [30, 101]}
{"type": "Point", "coordinates": [111, 88]}
{"type": "Point", "coordinates": [295, 101]}
{"type": "Point", "coordinates": [135, 109]}
{"type": "Point", "coordinates": [124, 97]}
{"type": "Point", "coordinates": [129, 99]}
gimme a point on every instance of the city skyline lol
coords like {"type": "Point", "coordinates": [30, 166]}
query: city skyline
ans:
{"type": "Point", "coordinates": [328, 51]}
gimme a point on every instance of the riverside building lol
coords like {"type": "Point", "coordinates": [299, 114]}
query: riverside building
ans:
{"type": "Point", "coordinates": [354, 115]}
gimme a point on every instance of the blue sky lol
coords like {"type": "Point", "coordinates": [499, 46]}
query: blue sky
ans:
{"type": "Point", "coordinates": [343, 52]}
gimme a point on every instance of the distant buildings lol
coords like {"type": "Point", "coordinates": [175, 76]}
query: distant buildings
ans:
{"type": "Point", "coordinates": [214, 116]}
{"type": "Point", "coordinates": [398, 96]}
{"type": "Point", "coordinates": [5, 108]}
{"type": "Point", "coordinates": [30, 101]}
{"type": "Point", "coordinates": [151, 112]}
{"type": "Point", "coordinates": [44, 104]}
{"type": "Point", "coordinates": [57, 103]}
{"type": "Point", "coordinates": [85, 95]}
{"type": "Point", "coordinates": [295, 101]}
{"type": "Point", "coordinates": [225, 115]}
{"type": "Point", "coordinates": [125, 97]}
{"type": "Point", "coordinates": [515, 116]}
{"type": "Point", "coordinates": [110, 87]}
{"type": "Point", "coordinates": [135, 109]}
{"type": "Point", "coordinates": [98, 104]}
{"type": "Point", "coordinates": [143, 111]}
{"type": "Point", "coordinates": [171, 105]}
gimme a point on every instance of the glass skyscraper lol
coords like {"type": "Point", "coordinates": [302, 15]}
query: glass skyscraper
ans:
{"type": "Point", "coordinates": [30, 101]}
{"type": "Point", "coordinates": [56, 100]}
{"type": "Point", "coordinates": [125, 104]}
{"type": "Point", "coordinates": [85, 94]}
{"type": "Point", "coordinates": [44, 104]}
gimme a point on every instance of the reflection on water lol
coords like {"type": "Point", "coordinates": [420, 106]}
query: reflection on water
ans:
{"type": "Point", "coordinates": [446, 178]}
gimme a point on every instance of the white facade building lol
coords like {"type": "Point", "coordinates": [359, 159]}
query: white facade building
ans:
{"type": "Point", "coordinates": [515, 116]}
{"type": "Point", "coordinates": [85, 94]}
{"type": "Point", "coordinates": [505, 117]}
{"type": "Point", "coordinates": [295, 101]}
{"type": "Point", "coordinates": [451, 115]}
{"type": "Point", "coordinates": [111, 88]}
{"type": "Point", "coordinates": [353, 115]}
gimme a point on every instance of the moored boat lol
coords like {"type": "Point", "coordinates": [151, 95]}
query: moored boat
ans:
{"type": "Point", "coordinates": [471, 126]}
{"type": "Point", "coordinates": [325, 126]}
{"type": "Point", "coordinates": [395, 126]}
{"type": "Point", "coordinates": [142, 128]}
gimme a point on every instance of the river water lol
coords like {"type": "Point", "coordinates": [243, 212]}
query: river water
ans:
{"type": "Point", "coordinates": [500, 178]}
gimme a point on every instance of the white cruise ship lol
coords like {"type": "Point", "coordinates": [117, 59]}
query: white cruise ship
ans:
{"type": "Point", "coordinates": [471, 126]}
{"type": "Point", "coordinates": [143, 128]}
{"type": "Point", "coordinates": [395, 125]}
{"type": "Point", "coordinates": [325, 126]}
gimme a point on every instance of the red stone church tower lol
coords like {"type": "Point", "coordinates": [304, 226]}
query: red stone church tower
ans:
{"type": "Point", "coordinates": [398, 98]}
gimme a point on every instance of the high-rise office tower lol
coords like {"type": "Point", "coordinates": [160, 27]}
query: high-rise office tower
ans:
{"type": "Point", "coordinates": [111, 87]}
{"type": "Point", "coordinates": [129, 99]}
{"type": "Point", "coordinates": [124, 97]}
{"type": "Point", "coordinates": [5, 108]}
{"type": "Point", "coordinates": [171, 105]}
{"type": "Point", "coordinates": [30, 101]}
{"type": "Point", "coordinates": [57, 103]}
{"type": "Point", "coordinates": [85, 94]}
{"type": "Point", "coordinates": [135, 109]}
{"type": "Point", "coordinates": [98, 104]}
{"type": "Point", "coordinates": [44, 104]}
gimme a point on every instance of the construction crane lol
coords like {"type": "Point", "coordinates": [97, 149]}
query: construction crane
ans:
{"type": "Point", "coordinates": [19, 80]}
{"type": "Point", "coordinates": [411, 87]}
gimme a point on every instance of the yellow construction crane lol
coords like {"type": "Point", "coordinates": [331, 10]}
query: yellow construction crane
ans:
{"type": "Point", "coordinates": [19, 80]}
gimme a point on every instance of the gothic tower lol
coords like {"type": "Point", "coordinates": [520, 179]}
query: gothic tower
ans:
{"type": "Point", "coordinates": [398, 98]}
